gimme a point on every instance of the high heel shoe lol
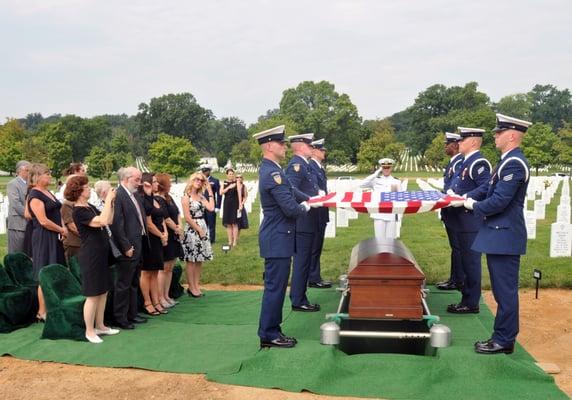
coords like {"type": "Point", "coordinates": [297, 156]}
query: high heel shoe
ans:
{"type": "Point", "coordinates": [151, 310]}
{"type": "Point", "coordinates": [41, 318]}
{"type": "Point", "coordinates": [160, 310]}
{"type": "Point", "coordinates": [192, 295]}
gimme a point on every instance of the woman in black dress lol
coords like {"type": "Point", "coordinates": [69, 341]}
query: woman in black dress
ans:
{"type": "Point", "coordinates": [230, 204]}
{"type": "Point", "coordinates": [153, 247]}
{"type": "Point", "coordinates": [173, 250]}
{"type": "Point", "coordinates": [47, 228]}
{"type": "Point", "coordinates": [242, 197]}
{"type": "Point", "coordinates": [93, 257]}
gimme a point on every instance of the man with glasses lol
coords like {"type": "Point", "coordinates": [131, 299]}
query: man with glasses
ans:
{"type": "Point", "coordinates": [16, 223]}
{"type": "Point", "coordinates": [384, 225]}
{"type": "Point", "coordinates": [276, 237]}
{"type": "Point", "coordinates": [502, 233]}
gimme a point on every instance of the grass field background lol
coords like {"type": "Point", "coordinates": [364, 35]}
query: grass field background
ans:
{"type": "Point", "coordinates": [423, 234]}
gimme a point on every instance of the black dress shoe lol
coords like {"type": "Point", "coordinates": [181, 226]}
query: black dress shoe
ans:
{"type": "Point", "coordinates": [493, 347]}
{"type": "Point", "coordinates": [125, 325]}
{"type": "Point", "coordinates": [482, 342]}
{"type": "Point", "coordinates": [320, 285]}
{"type": "Point", "coordinates": [448, 285]}
{"type": "Point", "coordinates": [462, 309]}
{"type": "Point", "coordinates": [138, 320]}
{"type": "Point", "coordinates": [278, 342]}
{"type": "Point", "coordinates": [290, 338]}
{"type": "Point", "coordinates": [307, 308]}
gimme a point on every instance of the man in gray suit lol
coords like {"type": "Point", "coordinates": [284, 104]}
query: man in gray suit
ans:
{"type": "Point", "coordinates": [16, 222]}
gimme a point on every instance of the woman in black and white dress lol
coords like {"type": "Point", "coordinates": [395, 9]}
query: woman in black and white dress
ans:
{"type": "Point", "coordinates": [196, 244]}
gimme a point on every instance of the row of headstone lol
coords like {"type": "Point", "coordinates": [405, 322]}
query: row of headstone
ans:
{"type": "Point", "coordinates": [561, 230]}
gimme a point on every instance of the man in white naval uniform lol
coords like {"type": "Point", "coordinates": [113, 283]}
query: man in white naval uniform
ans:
{"type": "Point", "coordinates": [385, 225]}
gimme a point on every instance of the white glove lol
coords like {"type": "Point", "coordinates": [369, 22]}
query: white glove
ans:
{"type": "Point", "coordinates": [457, 204]}
{"type": "Point", "coordinates": [216, 210]}
{"type": "Point", "coordinates": [469, 203]}
{"type": "Point", "coordinates": [451, 193]}
{"type": "Point", "coordinates": [321, 193]}
{"type": "Point", "coordinates": [305, 205]}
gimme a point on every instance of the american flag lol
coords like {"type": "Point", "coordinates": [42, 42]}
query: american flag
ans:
{"type": "Point", "coordinates": [387, 202]}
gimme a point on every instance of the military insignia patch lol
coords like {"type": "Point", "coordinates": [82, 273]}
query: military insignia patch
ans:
{"type": "Point", "coordinates": [480, 170]}
{"type": "Point", "coordinates": [277, 177]}
{"type": "Point", "coordinates": [296, 167]}
{"type": "Point", "coordinates": [507, 178]}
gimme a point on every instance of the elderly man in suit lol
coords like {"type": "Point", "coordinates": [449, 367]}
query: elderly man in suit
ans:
{"type": "Point", "coordinates": [16, 222]}
{"type": "Point", "coordinates": [129, 231]}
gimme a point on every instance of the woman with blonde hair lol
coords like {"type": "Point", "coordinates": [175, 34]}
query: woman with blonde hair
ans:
{"type": "Point", "coordinates": [196, 244]}
{"type": "Point", "coordinates": [47, 229]}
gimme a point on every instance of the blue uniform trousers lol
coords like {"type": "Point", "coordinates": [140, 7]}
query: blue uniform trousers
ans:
{"type": "Point", "coordinates": [276, 273]}
{"type": "Point", "coordinates": [210, 219]}
{"type": "Point", "coordinates": [301, 269]}
{"type": "Point", "coordinates": [503, 270]}
{"type": "Point", "coordinates": [471, 261]}
{"type": "Point", "coordinates": [317, 244]}
{"type": "Point", "coordinates": [457, 275]}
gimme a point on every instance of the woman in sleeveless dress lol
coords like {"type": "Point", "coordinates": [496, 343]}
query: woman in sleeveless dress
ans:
{"type": "Point", "coordinates": [196, 244]}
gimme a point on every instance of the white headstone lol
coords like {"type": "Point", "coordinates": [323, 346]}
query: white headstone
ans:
{"type": "Point", "coordinates": [530, 220]}
{"type": "Point", "coordinates": [342, 218]}
{"type": "Point", "coordinates": [560, 240]}
{"type": "Point", "coordinates": [352, 214]}
{"type": "Point", "coordinates": [261, 216]}
{"type": "Point", "coordinates": [539, 209]}
{"type": "Point", "coordinates": [563, 213]}
{"type": "Point", "coordinates": [565, 199]}
{"type": "Point", "coordinates": [331, 226]}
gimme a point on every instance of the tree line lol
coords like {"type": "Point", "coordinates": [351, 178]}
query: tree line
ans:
{"type": "Point", "coordinates": [172, 131]}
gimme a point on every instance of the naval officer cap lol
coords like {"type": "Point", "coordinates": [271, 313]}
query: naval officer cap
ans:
{"type": "Point", "coordinates": [303, 138]}
{"type": "Point", "coordinates": [275, 134]}
{"type": "Point", "coordinates": [386, 162]}
{"type": "Point", "coordinates": [452, 137]}
{"type": "Point", "coordinates": [505, 122]}
{"type": "Point", "coordinates": [206, 167]}
{"type": "Point", "coordinates": [470, 132]}
{"type": "Point", "coordinates": [319, 144]}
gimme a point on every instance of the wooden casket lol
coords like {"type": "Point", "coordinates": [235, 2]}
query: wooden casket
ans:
{"type": "Point", "coordinates": [385, 282]}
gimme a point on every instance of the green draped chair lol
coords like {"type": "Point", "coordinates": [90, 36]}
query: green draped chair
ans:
{"type": "Point", "coordinates": [176, 290]}
{"type": "Point", "coordinates": [16, 304]}
{"type": "Point", "coordinates": [75, 268]}
{"type": "Point", "coordinates": [19, 267]}
{"type": "Point", "coordinates": [64, 304]}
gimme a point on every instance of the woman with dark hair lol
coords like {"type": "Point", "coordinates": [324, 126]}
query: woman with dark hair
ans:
{"type": "Point", "coordinates": [158, 238]}
{"type": "Point", "coordinates": [47, 228]}
{"type": "Point", "coordinates": [242, 197]}
{"type": "Point", "coordinates": [230, 206]}
{"type": "Point", "coordinates": [173, 250]}
{"type": "Point", "coordinates": [93, 257]}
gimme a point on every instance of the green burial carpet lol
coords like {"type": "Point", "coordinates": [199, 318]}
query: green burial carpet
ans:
{"type": "Point", "coordinates": [216, 335]}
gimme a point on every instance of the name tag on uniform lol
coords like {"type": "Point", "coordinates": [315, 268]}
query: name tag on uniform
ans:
{"type": "Point", "coordinates": [508, 178]}
{"type": "Point", "coordinates": [480, 170]}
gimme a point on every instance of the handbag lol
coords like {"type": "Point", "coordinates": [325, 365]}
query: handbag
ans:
{"type": "Point", "coordinates": [115, 252]}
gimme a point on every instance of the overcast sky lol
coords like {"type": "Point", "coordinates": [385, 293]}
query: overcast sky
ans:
{"type": "Point", "coordinates": [237, 57]}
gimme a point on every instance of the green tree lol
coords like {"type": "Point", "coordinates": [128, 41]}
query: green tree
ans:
{"type": "Point", "coordinates": [318, 108]}
{"type": "Point", "coordinates": [12, 135]}
{"type": "Point", "coordinates": [381, 144]}
{"type": "Point", "coordinates": [539, 145]}
{"type": "Point", "coordinates": [223, 134]}
{"type": "Point", "coordinates": [515, 105]}
{"type": "Point", "coordinates": [550, 105]}
{"type": "Point", "coordinates": [242, 152]}
{"type": "Point", "coordinates": [435, 153]}
{"type": "Point", "coordinates": [100, 162]}
{"type": "Point", "coordinates": [173, 155]}
{"type": "Point", "coordinates": [177, 115]}
{"type": "Point", "coordinates": [84, 134]}
{"type": "Point", "coordinates": [57, 142]}
{"type": "Point", "coordinates": [564, 145]}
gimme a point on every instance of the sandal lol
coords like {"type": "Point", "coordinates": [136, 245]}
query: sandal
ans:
{"type": "Point", "coordinates": [160, 310]}
{"type": "Point", "coordinates": [152, 310]}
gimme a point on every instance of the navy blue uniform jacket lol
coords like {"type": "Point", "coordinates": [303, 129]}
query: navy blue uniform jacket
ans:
{"type": "Point", "coordinates": [305, 185]}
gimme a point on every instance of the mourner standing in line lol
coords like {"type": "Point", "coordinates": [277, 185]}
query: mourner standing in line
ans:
{"type": "Point", "coordinates": [384, 224]}
{"type": "Point", "coordinates": [323, 216]}
{"type": "Point", "coordinates": [305, 186]}
{"type": "Point", "coordinates": [502, 235]}
{"type": "Point", "coordinates": [276, 237]}
{"type": "Point", "coordinates": [456, 276]}
{"type": "Point", "coordinates": [16, 223]}
{"type": "Point", "coordinates": [474, 172]}
{"type": "Point", "coordinates": [210, 216]}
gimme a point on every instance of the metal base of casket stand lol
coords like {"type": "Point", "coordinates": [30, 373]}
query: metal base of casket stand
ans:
{"type": "Point", "coordinates": [372, 335]}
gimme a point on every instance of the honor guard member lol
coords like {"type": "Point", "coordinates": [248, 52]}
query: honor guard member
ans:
{"type": "Point", "coordinates": [276, 237]}
{"type": "Point", "coordinates": [502, 236]}
{"type": "Point", "coordinates": [474, 172]}
{"type": "Point", "coordinates": [456, 276]}
{"type": "Point", "coordinates": [323, 216]}
{"type": "Point", "coordinates": [305, 185]}
{"type": "Point", "coordinates": [210, 216]}
{"type": "Point", "coordinates": [384, 225]}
